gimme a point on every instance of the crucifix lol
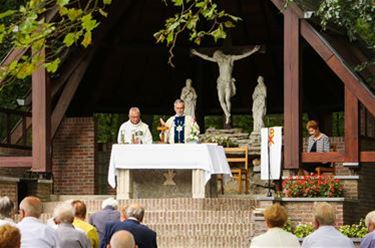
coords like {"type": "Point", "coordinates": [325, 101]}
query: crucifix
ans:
{"type": "Point", "coordinates": [225, 58]}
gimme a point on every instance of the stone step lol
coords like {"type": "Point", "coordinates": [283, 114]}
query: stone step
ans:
{"type": "Point", "coordinates": [189, 217]}
{"type": "Point", "coordinates": [213, 204]}
{"type": "Point", "coordinates": [223, 131]}
{"type": "Point", "coordinates": [202, 229]}
{"type": "Point", "coordinates": [203, 241]}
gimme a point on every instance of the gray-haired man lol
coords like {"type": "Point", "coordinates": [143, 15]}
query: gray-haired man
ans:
{"type": "Point", "coordinates": [134, 131]}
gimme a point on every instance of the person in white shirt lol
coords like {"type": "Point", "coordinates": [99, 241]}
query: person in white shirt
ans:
{"type": "Point", "coordinates": [6, 211]}
{"type": "Point", "coordinates": [275, 217]}
{"type": "Point", "coordinates": [181, 128]}
{"type": "Point", "coordinates": [33, 232]}
{"type": "Point", "coordinates": [134, 131]}
{"type": "Point", "coordinates": [326, 235]}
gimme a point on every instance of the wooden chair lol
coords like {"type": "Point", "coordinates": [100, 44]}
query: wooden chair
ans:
{"type": "Point", "coordinates": [238, 161]}
{"type": "Point", "coordinates": [320, 170]}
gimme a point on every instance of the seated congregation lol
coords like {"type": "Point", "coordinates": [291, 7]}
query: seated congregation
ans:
{"type": "Point", "coordinates": [110, 228]}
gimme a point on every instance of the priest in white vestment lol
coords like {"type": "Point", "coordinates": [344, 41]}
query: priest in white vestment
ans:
{"type": "Point", "coordinates": [134, 131]}
{"type": "Point", "coordinates": [181, 128]}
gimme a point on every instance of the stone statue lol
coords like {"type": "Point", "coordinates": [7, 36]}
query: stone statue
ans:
{"type": "Point", "coordinates": [225, 81]}
{"type": "Point", "coordinates": [189, 96]}
{"type": "Point", "coordinates": [259, 104]}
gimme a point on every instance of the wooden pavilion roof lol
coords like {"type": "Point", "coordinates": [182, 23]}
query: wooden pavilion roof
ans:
{"type": "Point", "coordinates": [129, 69]}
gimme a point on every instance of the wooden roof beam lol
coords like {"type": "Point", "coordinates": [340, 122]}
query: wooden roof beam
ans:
{"type": "Point", "coordinates": [335, 62]}
{"type": "Point", "coordinates": [68, 92]}
{"type": "Point", "coordinates": [16, 162]}
{"type": "Point", "coordinates": [280, 4]}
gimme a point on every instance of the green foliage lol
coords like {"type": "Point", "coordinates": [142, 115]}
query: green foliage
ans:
{"type": "Point", "coordinates": [213, 121]}
{"type": "Point", "coordinates": [354, 231]}
{"type": "Point", "coordinates": [192, 17]}
{"type": "Point", "coordinates": [303, 230]}
{"type": "Point", "coordinates": [338, 124]}
{"type": "Point", "coordinates": [107, 126]}
{"type": "Point", "coordinates": [288, 226]}
{"type": "Point", "coordinates": [356, 17]}
{"type": "Point", "coordinates": [24, 26]}
{"type": "Point", "coordinates": [10, 92]}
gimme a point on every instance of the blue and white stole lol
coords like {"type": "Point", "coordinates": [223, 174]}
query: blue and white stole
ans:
{"type": "Point", "coordinates": [179, 129]}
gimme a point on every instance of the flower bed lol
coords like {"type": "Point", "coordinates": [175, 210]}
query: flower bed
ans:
{"type": "Point", "coordinates": [312, 186]}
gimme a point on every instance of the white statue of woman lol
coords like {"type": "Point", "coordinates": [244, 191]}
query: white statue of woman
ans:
{"type": "Point", "coordinates": [225, 82]}
{"type": "Point", "coordinates": [259, 104]}
{"type": "Point", "coordinates": [189, 96]}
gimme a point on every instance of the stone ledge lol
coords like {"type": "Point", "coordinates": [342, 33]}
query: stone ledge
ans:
{"type": "Point", "coordinates": [302, 199]}
{"type": "Point", "coordinates": [347, 177]}
{"type": "Point", "coordinates": [353, 177]}
{"type": "Point", "coordinates": [9, 179]}
{"type": "Point", "coordinates": [47, 181]}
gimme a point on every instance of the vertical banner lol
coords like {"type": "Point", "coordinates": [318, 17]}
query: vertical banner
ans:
{"type": "Point", "coordinates": [271, 146]}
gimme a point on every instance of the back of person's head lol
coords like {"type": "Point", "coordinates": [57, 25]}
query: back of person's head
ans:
{"type": "Point", "coordinates": [122, 239]}
{"type": "Point", "coordinates": [324, 214]}
{"type": "Point", "coordinates": [275, 215]}
{"type": "Point", "coordinates": [6, 207]}
{"type": "Point", "coordinates": [135, 210]}
{"type": "Point", "coordinates": [370, 221]}
{"type": "Point", "coordinates": [31, 206]}
{"type": "Point", "coordinates": [80, 209]}
{"type": "Point", "coordinates": [10, 236]}
{"type": "Point", "coordinates": [64, 213]}
{"type": "Point", "coordinates": [109, 202]}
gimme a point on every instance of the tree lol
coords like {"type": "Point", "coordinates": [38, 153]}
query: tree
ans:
{"type": "Point", "coordinates": [355, 17]}
{"type": "Point", "coordinates": [54, 25]}
{"type": "Point", "coordinates": [192, 18]}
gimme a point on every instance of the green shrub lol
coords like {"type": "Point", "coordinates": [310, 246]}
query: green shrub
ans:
{"type": "Point", "coordinates": [303, 230]}
{"type": "Point", "coordinates": [355, 230]}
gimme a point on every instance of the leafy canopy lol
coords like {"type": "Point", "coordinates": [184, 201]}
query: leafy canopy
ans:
{"type": "Point", "coordinates": [54, 25]}
{"type": "Point", "coordinates": [192, 18]}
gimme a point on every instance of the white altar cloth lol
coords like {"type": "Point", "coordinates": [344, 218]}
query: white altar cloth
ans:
{"type": "Point", "coordinates": [208, 157]}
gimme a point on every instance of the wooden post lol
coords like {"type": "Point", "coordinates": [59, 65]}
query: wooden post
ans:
{"type": "Point", "coordinates": [292, 95]}
{"type": "Point", "coordinates": [41, 120]}
{"type": "Point", "coordinates": [351, 128]}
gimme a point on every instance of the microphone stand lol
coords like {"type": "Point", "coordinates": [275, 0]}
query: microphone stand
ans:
{"type": "Point", "coordinates": [269, 193]}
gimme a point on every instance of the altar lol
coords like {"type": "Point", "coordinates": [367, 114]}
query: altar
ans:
{"type": "Point", "coordinates": [204, 160]}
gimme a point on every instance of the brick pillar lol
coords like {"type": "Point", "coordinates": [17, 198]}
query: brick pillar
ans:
{"type": "Point", "coordinates": [74, 157]}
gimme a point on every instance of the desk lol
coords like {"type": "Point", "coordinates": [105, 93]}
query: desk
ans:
{"type": "Point", "coordinates": [203, 159]}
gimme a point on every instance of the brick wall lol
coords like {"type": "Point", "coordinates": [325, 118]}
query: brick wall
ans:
{"type": "Point", "coordinates": [366, 189]}
{"type": "Point", "coordinates": [351, 188]}
{"type": "Point", "coordinates": [74, 157]}
{"type": "Point", "coordinates": [301, 212]}
{"type": "Point", "coordinates": [9, 188]}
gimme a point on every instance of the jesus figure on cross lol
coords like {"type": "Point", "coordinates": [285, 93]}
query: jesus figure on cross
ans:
{"type": "Point", "coordinates": [225, 82]}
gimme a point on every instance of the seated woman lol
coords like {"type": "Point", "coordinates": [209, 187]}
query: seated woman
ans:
{"type": "Point", "coordinates": [317, 142]}
{"type": "Point", "coordinates": [275, 217]}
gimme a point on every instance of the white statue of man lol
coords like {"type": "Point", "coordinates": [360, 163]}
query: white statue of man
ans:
{"type": "Point", "coordinates": [259, 104]}
{"type": "Point", "coordinates": [189, 96]}
{"type": "Point", "coordinates": [225, 82]}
